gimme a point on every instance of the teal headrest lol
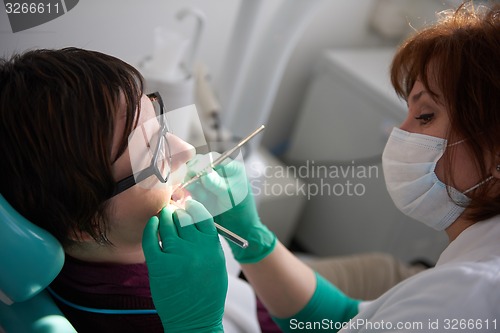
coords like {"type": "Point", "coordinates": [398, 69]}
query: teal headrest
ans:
{"type": "Point", "coordinates": [30, 257]}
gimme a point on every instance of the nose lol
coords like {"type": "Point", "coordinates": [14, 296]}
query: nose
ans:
{"type": "Point", "coordinates": [180, 150]}
{"type": "Point", "coordinates": [406, 125]}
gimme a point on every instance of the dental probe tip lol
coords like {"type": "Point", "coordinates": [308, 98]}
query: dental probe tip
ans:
{"type": "Point", "coordinates": [221, 158]}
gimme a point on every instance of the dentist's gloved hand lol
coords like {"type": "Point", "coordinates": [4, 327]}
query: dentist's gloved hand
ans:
{"type": "Point", "coordinates": [187, 275]}
{"type": "Point", "coordinates": [226, 194]}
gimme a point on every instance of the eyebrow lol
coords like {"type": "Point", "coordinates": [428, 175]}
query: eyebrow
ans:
{"type": "Point", "coordinates": [418, 95]}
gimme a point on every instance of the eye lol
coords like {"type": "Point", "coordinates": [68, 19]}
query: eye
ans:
{"type": "Point", "coordinates": [425, 118]}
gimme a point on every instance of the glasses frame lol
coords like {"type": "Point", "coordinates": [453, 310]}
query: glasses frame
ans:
{"type": "Point", "coordinates": [127, 182]}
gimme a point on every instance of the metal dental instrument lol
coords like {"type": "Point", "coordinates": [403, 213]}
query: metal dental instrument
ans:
{"type": "Point", "coordinates": [231, 236]}
{"type": "Point", "coordinates": [228, 234]}
{"type": "Point", "coordinates": [221, 158]}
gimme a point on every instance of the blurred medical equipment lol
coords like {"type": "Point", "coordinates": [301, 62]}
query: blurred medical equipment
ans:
{"type": "Point", "coordinates": [30, 259]}
{"type": "Point", "coordinates": [188, 64]}
{"type": "Point", "coordinates": [170, 69]}
{"type": "Point", "coordinates": [208, 104]}
{"type": "Point", "coordinates": [163, 70]}
{"type": "Point", "coordinates": [253, 71]}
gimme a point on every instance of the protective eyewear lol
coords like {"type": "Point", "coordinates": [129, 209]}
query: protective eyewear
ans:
{"type": "Point", "coordinates": [156, 142]}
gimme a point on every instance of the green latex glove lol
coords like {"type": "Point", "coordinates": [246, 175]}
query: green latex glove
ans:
{"type": "Point", "coordinates": [227, 196]}
{"type": "Point", "coordinates": [187, 275]}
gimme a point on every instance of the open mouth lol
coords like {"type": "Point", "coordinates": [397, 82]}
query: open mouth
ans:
{"type": "Point", "coordinates": [179, 197]}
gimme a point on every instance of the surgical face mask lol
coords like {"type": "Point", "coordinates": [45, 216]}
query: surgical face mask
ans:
{"type": "Point", "coordinates": [409, 161]}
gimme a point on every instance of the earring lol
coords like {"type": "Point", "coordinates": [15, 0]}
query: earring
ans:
{"type": "Point", "coordinates": [498, 167]}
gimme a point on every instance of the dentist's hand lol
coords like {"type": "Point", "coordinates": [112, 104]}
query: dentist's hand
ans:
{"type": "Point", "coordinates": [187, 275]}
{"type": "Point", "coordinates": [227, 196]}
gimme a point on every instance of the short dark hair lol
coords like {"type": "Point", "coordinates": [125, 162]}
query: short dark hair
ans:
{"type": "Point", "coordinates": [462, 51]}
{"type": "Point", "coordinates": [58, 110]}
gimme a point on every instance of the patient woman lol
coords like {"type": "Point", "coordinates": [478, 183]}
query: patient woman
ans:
{"type": "Point", "coordinates": [65, 120]}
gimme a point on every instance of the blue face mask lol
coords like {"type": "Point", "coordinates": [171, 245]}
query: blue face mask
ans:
{"type": "Point", "coordinates": [409, 161]}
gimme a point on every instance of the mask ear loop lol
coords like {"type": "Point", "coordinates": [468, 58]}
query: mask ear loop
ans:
{"type": "Point", "coordinates": [456, 143]}
{"type": "Point", "coordinates": [479, 184]}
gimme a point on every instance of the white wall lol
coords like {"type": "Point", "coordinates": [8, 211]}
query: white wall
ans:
{"type": "Point", "coordinates": [124, 28]}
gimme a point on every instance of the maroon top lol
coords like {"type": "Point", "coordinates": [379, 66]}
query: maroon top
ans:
{"type": "Point", "coordinates": [267, 325]}
{"type": "Point", "coordinates": [116, 287]}
{"type": "Point", "coordinates": [106, 286]}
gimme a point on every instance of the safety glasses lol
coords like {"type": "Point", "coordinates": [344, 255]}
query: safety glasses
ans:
{"type": "Point", "coordinates": [154, 141]}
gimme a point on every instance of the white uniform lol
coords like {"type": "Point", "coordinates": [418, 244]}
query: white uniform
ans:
{"type": "Point", "coordinates": [461, 294]}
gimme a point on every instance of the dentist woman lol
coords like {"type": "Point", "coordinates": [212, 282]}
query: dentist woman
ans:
{"type": "Point", "coordinates": [441, 166]}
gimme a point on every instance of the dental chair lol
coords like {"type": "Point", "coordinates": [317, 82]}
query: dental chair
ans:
{"type": "Point", "coordinates": [30, 258]}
